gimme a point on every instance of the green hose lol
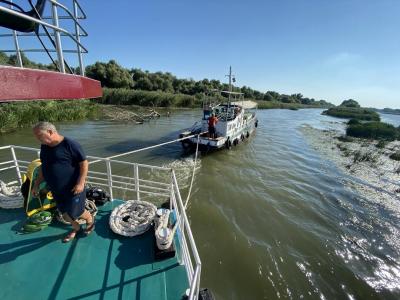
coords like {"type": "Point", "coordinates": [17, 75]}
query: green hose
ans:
{"type": "Point", "coordinates": [37, 222]}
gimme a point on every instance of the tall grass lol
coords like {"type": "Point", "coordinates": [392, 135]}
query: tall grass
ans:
{"type": "Point", "coordinates": [262, 104]}
{"type": "Point", "coordinates": [147, 98]}
{"type": "Point", "coordinates": [374, 130]}
{"type": "Point", "coordinates": [22, 114]}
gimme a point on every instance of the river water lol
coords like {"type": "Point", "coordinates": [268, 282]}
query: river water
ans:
{"type": "Point", "coordinates": [272, 218]}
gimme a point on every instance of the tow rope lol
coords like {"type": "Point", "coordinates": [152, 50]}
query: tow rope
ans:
{"type": "Point", "coordinates": [132, 218]}
{"type": "Point", "coordinates": [10, 197]}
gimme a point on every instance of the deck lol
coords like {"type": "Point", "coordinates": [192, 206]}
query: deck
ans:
{"type": "Point", "coordinates": [101, 266]}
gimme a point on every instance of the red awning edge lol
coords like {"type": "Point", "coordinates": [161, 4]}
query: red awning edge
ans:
{"type": "Point", "coordinates": [31, 84]}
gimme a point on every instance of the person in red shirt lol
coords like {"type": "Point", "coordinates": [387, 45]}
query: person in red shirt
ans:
{"type": "Point", "coordinates": [212, 121]}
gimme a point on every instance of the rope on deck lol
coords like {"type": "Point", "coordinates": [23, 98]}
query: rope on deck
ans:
{"type": "Point", "coordinates": [132, 218]}
{"type": "Point", "coordinates": [10, 197]}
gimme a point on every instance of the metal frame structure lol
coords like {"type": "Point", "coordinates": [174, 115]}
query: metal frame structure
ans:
{"type": "Point", "coordinates": [140, 186]}
{"type": "Point", "coordinates": [58, 32]}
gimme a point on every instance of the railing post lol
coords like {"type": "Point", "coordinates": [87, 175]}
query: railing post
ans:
{"type": "Point", "coordinates": [136, 175]}
{"type": "Point", "coordinates": [16, 165]}
{"type": "Point", "coordinates": [171, 195]}
{"type": "Point", "coordinates": [81, 67]}
{"type": "Point", "coordinates": [198, 282]}
{"type": "Point", "coordinates": [109, 178]}
{"type": "Point", "coordinates": [58, 39]}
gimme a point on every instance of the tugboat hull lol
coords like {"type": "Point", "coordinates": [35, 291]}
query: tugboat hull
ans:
{"type": "Point", "coordinates": [207, 144]}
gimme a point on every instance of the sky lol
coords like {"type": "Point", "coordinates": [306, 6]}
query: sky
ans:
{"type": "Point", "coordinates": [324, 49]}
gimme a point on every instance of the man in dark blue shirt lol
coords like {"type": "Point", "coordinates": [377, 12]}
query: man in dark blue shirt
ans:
{"type": "Point", "coordinates": [64, 167]}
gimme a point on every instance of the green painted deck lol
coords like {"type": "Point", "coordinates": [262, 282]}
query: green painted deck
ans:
{"type": "Point", "coordinates": [101, 266]}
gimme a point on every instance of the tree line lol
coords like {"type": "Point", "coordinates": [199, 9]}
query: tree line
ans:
{"type": "Point", "coordinates": [113, 75]}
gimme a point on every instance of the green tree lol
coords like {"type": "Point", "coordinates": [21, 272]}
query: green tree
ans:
{"type": "Point", "coordinates": [110, 74]}
{"type": "Point", "coordinates": [268, 97]}
{"type": "Point", "coordinates": [3, 58]}
{"type": "Point", "coordinates": [350, 103]}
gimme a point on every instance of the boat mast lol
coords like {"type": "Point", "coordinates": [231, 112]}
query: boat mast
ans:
{"type": "Point", "coordinates": [230, 76]}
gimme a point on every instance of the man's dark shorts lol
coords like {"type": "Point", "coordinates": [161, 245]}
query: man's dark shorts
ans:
{"type": "Point", "coordinates": [74, 206]}
{"type": "Point", "coordinates": [211, 129]}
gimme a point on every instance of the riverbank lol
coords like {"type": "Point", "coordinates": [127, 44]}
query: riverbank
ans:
{"type": "Point", "coordinates": [24, 114]}
{"type": "Point", "coordinates": [368, 160]}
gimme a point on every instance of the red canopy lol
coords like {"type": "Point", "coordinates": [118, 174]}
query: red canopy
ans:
{"type": "Point", "coordinates": [31, 84]}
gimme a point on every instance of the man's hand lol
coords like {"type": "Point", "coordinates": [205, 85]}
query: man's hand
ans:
{"type": "Point", "coordinates": [35, 191]}
{"type": "Point", "coordinates": [78, 188]}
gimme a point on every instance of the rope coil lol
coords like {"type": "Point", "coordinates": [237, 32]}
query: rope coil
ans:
{"type": "Point", "coordinates": [132, 218]}
{"type": "Point", "coordinates": [89, 206]}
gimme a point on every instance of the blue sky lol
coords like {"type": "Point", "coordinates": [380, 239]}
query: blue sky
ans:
{"type": "Point", "coordinates": [324, 49]}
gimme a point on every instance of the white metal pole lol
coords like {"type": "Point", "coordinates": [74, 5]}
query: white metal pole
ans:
{"type": "Point", "coordinates": [18, 51]}
{"type": "Point", "coordinates": [82, 69]}
{"type": "Point", "coordinates": [136, 175]}
{"type": "Point", "coordinates": [109, 178]}
{"type": "Point", "coordinates": [58, 39]}
{"type": "Point", "coordinates": [16, 165]}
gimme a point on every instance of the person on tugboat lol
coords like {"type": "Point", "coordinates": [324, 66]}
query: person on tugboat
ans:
{"type": "Point", "coordinates": [65, 168]}
{"type": "Point", "coordinates": [212, 121]}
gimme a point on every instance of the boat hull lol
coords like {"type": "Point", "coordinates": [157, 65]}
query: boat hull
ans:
{"type": "Point", "coordinates": [207, 144]}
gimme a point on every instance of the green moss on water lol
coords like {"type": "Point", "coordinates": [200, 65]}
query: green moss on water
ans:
{"type": "Point", "coordinates": [395, 156]}
{"type": "Point", "coordinates": [345, 138]}
{"type": "Point", "coordinates": [381, 144]}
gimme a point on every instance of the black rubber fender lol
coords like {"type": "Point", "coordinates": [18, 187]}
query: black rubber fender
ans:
{"type": "Point", "coordinates": [228, 144]}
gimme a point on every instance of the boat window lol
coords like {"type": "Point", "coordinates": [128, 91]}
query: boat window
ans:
{"type": "Point", "coordinates": [207, 114]}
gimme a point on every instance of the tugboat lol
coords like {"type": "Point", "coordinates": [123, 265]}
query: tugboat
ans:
{"type": "Point", "coordinates": [236, 121]}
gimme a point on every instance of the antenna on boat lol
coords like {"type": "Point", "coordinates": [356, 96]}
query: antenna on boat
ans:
{"type": "Point", "coordinates": [231, 79]}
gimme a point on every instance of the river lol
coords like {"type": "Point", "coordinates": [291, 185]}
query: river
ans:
{"type": "Point", "coordinates": [272, 218]}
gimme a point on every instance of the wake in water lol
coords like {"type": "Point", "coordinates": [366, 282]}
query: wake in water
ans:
{"type": "Point", "coordinates": [183, 170]}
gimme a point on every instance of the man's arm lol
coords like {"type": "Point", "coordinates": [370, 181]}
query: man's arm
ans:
{"type": "Point", "coordinates": [83, 171]}
{"type": "Point", "coordinates": [39, 179]}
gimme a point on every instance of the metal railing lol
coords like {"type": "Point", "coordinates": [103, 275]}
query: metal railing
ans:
{"type": "Point", "coordinates": [75, 16]}
{"type": "Point", "coordinates": [135, 181]}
